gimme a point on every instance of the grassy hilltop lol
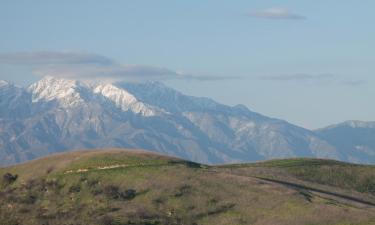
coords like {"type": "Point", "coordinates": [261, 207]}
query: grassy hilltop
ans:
{"type": "Point", "coordinates": [115, 187]}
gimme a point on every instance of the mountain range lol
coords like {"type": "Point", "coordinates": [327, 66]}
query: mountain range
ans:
{"type": "Point", "coordinates": [57, 115]}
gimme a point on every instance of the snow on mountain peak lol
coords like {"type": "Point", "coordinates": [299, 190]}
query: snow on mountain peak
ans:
{"type": "Point", "coordinates": [3, 83]}
{"type": "Point", "coordinates": [62, 90]}
{"type": "Point", "coordinates": [124, 100]}
{"type": "Point", "coordinates": [115, 93]}
{"type": "Point", "coordinates": [70, 93]}
{"type": "Point", "coordinates": [359, 124]}
{"type": "Point", "coordinates": [351, 124]}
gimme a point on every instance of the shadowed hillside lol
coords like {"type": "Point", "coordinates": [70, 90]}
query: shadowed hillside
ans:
{"type": "Point", "coordinates": [111, 187]}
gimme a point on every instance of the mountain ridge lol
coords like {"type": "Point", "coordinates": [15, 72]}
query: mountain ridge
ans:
{"type": "Point", "coordinates": [61, 114]}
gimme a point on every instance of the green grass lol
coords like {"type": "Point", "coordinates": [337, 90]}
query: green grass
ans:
{"type": "Point", "coordinates": [328, 172]}
{"type": "Point", "coordinates": [146, 188]}
{"type": "Point", "coordinates": [343, 175]}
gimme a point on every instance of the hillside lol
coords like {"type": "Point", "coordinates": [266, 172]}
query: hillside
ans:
{"type": "Point", "coordinates": [115, 186]}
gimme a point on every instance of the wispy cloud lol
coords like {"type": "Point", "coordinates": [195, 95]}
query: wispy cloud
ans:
{"type": "Point", "coordinates": [297, 77]}
{"type": "Point", "coordinates": [354, 83]}
{"type": "Point", "coordinates": [113, 72]}
{"type": "Point", "coordinates": [48, 57]}
{"type": "Point", "coordinates": [276, 14]}
{"type": "Point", "coordinates": [305, 78]}
{"type": "Point", "coordinates": [78, 65]}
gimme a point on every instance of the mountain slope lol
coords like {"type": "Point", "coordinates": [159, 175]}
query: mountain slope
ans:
{"type": "Point", "coordinates": [136, 187]}
{"type": "Point", "coordinates": [356, 139]}
{"type": "Point", "coordinates": [14, 101]}
{"type": "Point", "coordinates": [60, 115]}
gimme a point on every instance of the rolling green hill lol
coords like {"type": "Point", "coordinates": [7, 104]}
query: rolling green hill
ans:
{"type": "Point", "coordinates": [115, 187]}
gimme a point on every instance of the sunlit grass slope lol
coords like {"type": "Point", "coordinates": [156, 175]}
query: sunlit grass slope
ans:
{"type": "Point", "coordinates": [111, 187]}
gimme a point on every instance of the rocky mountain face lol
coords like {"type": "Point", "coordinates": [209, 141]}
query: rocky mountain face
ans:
{"type": "Point", "coordinates": [55, 115]}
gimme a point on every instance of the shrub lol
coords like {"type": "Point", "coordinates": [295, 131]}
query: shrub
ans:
{"type": "Point", "coordinates": [29, 198]}
{"type": "Point", "coordinates": [96, 190]}
{"type": "Point", "coordinates": [92, 182]}
{"type": "Point", "coordinates": [129, 194]}
{"type": "Point", "coordinates": [114, 192]}
{"type": "Point", "coordinates": [53, 183]}
{"type": "Point", "coordinates": [50, 169]}
{"type": "Point", "coordinates": [75, 188]}
{"type": "Point", "coordinates": [9, 178]}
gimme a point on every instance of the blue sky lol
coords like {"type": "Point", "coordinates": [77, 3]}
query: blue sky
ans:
{"type": "Point", "coordinates": [308, 62]}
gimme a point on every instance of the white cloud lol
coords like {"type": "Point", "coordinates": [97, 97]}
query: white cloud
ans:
{"type": "Point", "coordinates": [113, 72]}
{"type": "Point", "coordinates": [277, 14]}
{"type": "Point", "coordinates": [87, 66]}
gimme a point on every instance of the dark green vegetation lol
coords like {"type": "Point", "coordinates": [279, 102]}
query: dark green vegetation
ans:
{"type": "Point", "coordinates": [121, 187]}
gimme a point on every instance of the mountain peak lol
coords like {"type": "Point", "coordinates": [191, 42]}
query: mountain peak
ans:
{"type": "Point", "coordinates": [123, 99]}
{"type": "Point", "coordinates": [351, 124]}
{"type": "Point", "coordinates": [49, 88]}
{"type": "Point", "coordinates": [3, 83]}
{"type": "Point", "coordinates": [359, 124]}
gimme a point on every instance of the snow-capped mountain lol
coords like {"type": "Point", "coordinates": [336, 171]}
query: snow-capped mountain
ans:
{"type": "Point", "coordinates": [14, 101]}
{"type": "Point", "coordinates": [66, 92]}
{"type": "Point", "coordinates": [55, 115]}
{"type": "Point", "coordinates": [355, 139]}
{"type": "Point", "coordinates": [124, 100]}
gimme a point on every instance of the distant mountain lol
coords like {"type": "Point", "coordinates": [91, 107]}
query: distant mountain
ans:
{"type": "Point", "coordinates": [54, 115]}
{"type": "Point", "coordinates": [355, 139]}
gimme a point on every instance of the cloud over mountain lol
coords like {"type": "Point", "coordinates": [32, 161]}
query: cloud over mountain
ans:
{"type": "Point", "coordinates": [88, 66]}
{"type": "Point", "coordinates": [50, 57]}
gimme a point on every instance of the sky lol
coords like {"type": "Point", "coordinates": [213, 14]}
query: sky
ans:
{"type": "Point", "coordinates": [311, 63]}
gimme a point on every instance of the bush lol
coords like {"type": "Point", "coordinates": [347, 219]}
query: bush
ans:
{"type": "Point", "coordinates": [75, 188]}
{"type": "Point", "coordinates": [129, 194]}
{"type": "Point", "coordinates": [50, 169]}
{"type": "Point", "coordinates": [92, 182]}
{"type": "Point", "coordinates": [28, 199]}
{"type": "Point", "coordinates": [9, 178]}
{"type": "Point", "coordinates": [96, 190]}
{"type": "Point", "coordinates": [53, 183]}
{"type": "Point", "coordinates": [114, 192]}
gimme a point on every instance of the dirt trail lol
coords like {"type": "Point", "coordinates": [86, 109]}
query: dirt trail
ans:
{"type": "Point", "coordinates": [321, 191]}
{"type": "Point", "coordinates": [82, 170]}
{"type": "Point", "coordinates": [115, 166]}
